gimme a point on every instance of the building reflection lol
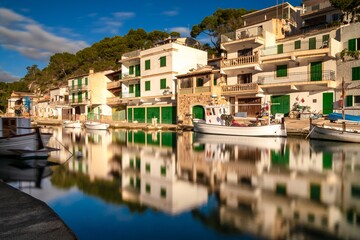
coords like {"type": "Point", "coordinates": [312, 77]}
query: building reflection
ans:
{"type": "Point", "coordinates": [274, 187]}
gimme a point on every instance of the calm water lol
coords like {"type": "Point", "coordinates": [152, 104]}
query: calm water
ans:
{"type": "Point", "coordinates": [161, 185]}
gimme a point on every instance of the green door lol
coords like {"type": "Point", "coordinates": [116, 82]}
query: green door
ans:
{"type": "Point", "coordinates": [130, 114]}
{"type": "Point", "coordinates": [139, 115]}
{"type": "Point", "coordinates": [168, 115]}
{"type": "Point", "coordinates": [281, 104]}
{"type": "Point", "coordinates": [137, 70]}
{"type": "Point", "coordinates": [327, 103]}
{"type": "Point", "coordinates": [316, 71]}
{"type": "Point", "coordinates": [137, 90]}
{"type": "Point", "coordinates": [198, 112]}
{"type": "Point", "coordinates": [152, 112]}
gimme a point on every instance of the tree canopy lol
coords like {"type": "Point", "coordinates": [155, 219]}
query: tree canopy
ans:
{"type": "Point", "coordinates": [347, 6]}
{"type": "Point", "coordinates": [220, 22]}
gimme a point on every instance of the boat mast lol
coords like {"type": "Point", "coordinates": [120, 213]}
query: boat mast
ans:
{"type": "Point", "coordinates": [343, 97]}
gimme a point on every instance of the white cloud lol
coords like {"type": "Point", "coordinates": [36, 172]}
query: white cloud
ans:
{"type": "Point", "coordinates": [170, 13]}
{"type": "Point", "coordinates": [31, 39]}
{"type": "Point", "coordinates": [184, 31]}
{"type": "Point", "coordinates": [113, 23]}
{"type": "Point", "coordinates": [7, 77]}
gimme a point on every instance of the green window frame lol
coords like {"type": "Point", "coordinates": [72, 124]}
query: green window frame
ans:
{"type": "Point", "coordinates": [131, 88]}
{"type": "Point", "coordinates": [312, 43]}
{"type": "Point", "coordinates": [147, 167]}
{"type": "Point", "coordinates": [163, 83]}
{"type": "Point", "coordinates": [147, 85]}
{"type": "Point", "coordinates": [199, 82]}
{"type": "Point", "coordinates": [131, 70]}
{"type": "Point", "coordinates": [352, 44]}
{"type": "Point", "coordinates": [281, 70]}
{"type": "Point", "coordinates": [163, 192]}
{"type": "Point", "coordinates": [147, 64]}
{"type": "Point", "coordinates": [355, 73]}
{"type": "Point", "coordinates": [349, 100]}
{"type": "Point", "coordinates": [297, 44]}
{"type": "Point", "coordinates": [163, 61]}
{"type": "Point", "coordinates": [280, 48]}
{"type": "Point", "coordinates": [147, 188]}
{"type": "Point", "coordinates": [163, 170]}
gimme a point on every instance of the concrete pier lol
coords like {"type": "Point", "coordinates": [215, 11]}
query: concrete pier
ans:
{"type": "Point", "coordinates": [24, 217]}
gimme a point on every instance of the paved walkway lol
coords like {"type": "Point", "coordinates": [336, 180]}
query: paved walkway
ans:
{"type": "Point", "coordinates": [24, 217]}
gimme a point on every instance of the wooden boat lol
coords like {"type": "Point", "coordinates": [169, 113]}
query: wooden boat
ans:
{"type": "Point", "coordinates": [72, 124]}
{"type": "Point", "coordinates": [96, 125]}
{"type": "Point", "coordinates": [334, 133]}
{"type": "Point", "coordinates": [219, 121]}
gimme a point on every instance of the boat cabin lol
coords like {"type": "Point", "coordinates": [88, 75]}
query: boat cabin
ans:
{"type": "Point", "coordinates": [10, 126]}
{"type": "Point", "coordinates": [213, 114]}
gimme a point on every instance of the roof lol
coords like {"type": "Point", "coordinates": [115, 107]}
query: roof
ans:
{"type": "Point", "coordinates": [196, 72]}
{"type": "Point", "coordinates": [22, 94]}
{"type": "Point", "coordinates": [261, 11]}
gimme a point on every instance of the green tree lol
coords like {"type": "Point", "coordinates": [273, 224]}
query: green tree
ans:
{"type": "Point", "coordinates": [220, 22]}
{"type": "Point", "coordinates": [347, 7]}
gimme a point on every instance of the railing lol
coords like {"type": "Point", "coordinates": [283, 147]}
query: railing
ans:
{"type": "Point", "coordinates": [135, 53]}
{"type": "Point", "coordinates": [240, 61]}
{"type": "Point", "coordinates": [292, 47]}
{"type": "Point", "coordinates": [113, 100]}
{"type": "Point", "coordinates": [185, 91]}
{"type": "Point", "coordinates": [78, 87]}
{"type": "Point", "coordinates": [316, 7]}
{"type": "Point", "coordinates": [82, 101]}
{"type": "Point", "coordinates": [127, 95]}
{"type": "Point", "coordinates": [240, 88]}
{"type": "Point", "coordinates": [242, 33]}
{"type": "Point", "coordinates": [54, 103]}
{"type": "Point", "coordinates": [298, 77]}
{"type": "Point", "coordinates": [202, 89]}
{"type": "Point", "coordinates": [115, 84]}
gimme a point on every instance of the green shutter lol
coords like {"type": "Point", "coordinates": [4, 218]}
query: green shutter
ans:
{"type": "Point", "coordinates": [356, 73]}
{"type": "Point", "coordinates": [147, 86]}
{"type": "Point", "coordinates": [147, 188]}
{"type": "Point", "coordinates": [215, 82]}
{"type": "Point", "coordinates": [147, 167]}
{"type": "Point", "coordinates": [73, 84]}
{"type": "Point", "coordinates": [137, 90]}
{"type": "Point", "coordinates": [325, 38]}
{"type": "Point", "coordinates": [163, 171]}
{"type": "Point", "coordinates": [199, 82]}
{"type": "Point", "coordinates": [352, 44]}
{"type": "Point", "coordinates": [328, 99]}
{"type": "Point", "coordinates": [297, 44]}
{"type": "Point", "coordinates": [168, 115]}
{"type": "Point", "coordinates": [281, 189]}
{"type": "Point", "coordinates": [131, 70]}
{"type": "Point", "coordinates": [312, 43]}
{"type": "Point", "coordinates": [86, 95]}
{"type": "Point", "coordinates": [163, 192]}
{"type": "Point", "coordinates": [130, 114]}
{"type": "Point", "coordinates": [137, 70]}
{"type": "Point", "coordinates": [139, 115]}
{"type": "Point", "coordinates": [86, 81]}
{"type": "Point", "coordinates": [147, 64]}
{"type": "Point", "coordinates": [73, 97]}
{"type": "Point", "coordinates": [163, 83]}
{"type": "Point", "coordinates": [355, 191]}
{"type": "Point", "coordinates": [131, 88]}
{"type": "Point", "coordinates": [79, 97]}
{"type": "Point", "coordinates": [138, 163]}
{"type": "Point", "coordinates": [316, 71]}
{"type": "Point", "coordinates": [349, 101]}
{"type": "Point", "coordinates": [120, 76]}
{"type": "Point", "coordinates": [281, 70]}
{"type": "Point", "coordinates": [79, 82]}
{"type": "Point", "coordinates": [163, 61]}
{"type": "Point", "coordinates": [280, 48]}
{"type": "Point", "coordinates": [315, 192]}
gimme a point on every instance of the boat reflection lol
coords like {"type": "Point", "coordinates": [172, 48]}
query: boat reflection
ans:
{"type": "Point", "coordinates": [272, 188]}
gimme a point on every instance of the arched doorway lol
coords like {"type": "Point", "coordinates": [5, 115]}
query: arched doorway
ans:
{"type": "Point", "coordinates": [198, 112]}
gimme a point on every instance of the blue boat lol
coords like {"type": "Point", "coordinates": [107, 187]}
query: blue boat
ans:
{"type": "Point", "coordinates": [338, 116]}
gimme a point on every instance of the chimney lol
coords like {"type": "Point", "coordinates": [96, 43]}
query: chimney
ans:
{"type": "Point", "coordinates": [91, 71]}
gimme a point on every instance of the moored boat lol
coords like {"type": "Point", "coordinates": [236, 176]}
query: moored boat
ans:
{"type": "Point", "coordinates": [96, 125]}
{"type": "Point", "coordinates": [72, 124]}
{"type": "Point", "coordinates": [340, 134]}
{"type": "Point", "coordinates": [219, 121]}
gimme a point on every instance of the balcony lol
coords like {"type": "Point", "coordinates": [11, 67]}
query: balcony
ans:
{"type": "Point", "coordinates": [240, 88]}
{"type": "Point", "coordinates": [316, 7]}
{"type": "Point", "coordinates": [130, 55]}
{"type": "Point", "coordinates": [80, 102]}
{"type": "Point", "coordinates": [113, 101]}
{"type": "Point", "coordinates": [113, 85]}
{"type": "Point", "coordinates": [59, 103]}
{"type": "Point", "coordinates": [327, 75]}
{"type": "Point", "coordinates": [128, 95]}
{"type": "Point", "coordinates": [77, 88]}
{"type": "Point", "coordinates": [244, 34]}
{"type": "Point", "coordinates": [234, 62]}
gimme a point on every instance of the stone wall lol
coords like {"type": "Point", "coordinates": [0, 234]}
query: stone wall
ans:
{"type": "Point", "coordinates": [186, 102]}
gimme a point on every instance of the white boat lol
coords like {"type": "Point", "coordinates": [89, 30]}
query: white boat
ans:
{"type": "Point", "coordinates": [96, 125]}
{"type": "Point", "coordinates": [72, 124]}
{"type": "Point", "coordinates": [340, 134]}
{"type": "Point", "coordinates": [219, 121]}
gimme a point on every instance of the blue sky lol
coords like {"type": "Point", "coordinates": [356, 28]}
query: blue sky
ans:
{"type": "Point", "coordinates": [32, 31]}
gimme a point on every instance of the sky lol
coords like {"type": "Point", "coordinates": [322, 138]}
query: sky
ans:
{"type": "Point", "coordinates": [33, 30]}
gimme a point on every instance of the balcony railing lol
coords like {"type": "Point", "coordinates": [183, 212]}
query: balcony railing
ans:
{"type": "Point", "coordinates": [298, 77]}
{"type": "Point", "coordinates": [127, 95]}
{"type": "Point", "coordinates": [132, 54]}
{"type": "Point", "coordinates": [295, 46]}
{"type": "Point", "coordinates": [58, 103]}
{"type": "Point", "coordinates": [115, 84]}
{"type": "Point", "coordinates": [78, 87]}
{"type": "Point", "coordinates": [248, 87]}
{"type": "Point", "coordinates": [113, 100]}
{"type": "Point", "coordinates": [202, 89]}
{"type": "Point", "coordinates": [317, 7]}
{"type": "Point", "coordinates": [240, 61]}
{"type": "Point", "coordinates": [242, 33]}
{"type": "Point", "coordinates": [79, 102]}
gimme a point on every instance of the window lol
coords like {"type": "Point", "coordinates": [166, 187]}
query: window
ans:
{"type": "Point", "coordinates": [245, 52]}
{"type": "Point", "coordinates": [131, 181]}
{"type": "Point", "coordinates": [244, 78]}
{"type": "Point", "coordinates": [325, 40]}
{"type": "Point", "coordinates": [73, 97]}
{"type": "Point", "coordinates": [131, 70]}
{"type": "Point", "coordinates": [132, 163]}
{"type": "Point", "coordinates": [138, 163]}
{"type": "Point", "coordinates": [147, 188]}
{"type": "Point", "coordinates": [163, 83]}
{"type": "Point", "coordinates": [147, 86]}
{"type": "Point", "coordinates": [281, 70]}
{"type": "Point", "coordinates": [163, 170]}
{"type": "Point", "coordinates": [355, 191]}
{"type": "Point", "coordinates": [199, 82]}
{"type": "Point", "coordinates": [311, 218]}
{"type": "Point", "coordinates": [86, 81]}
{"type": "Point", "coordinates": [357, 100]}
{"type": "Point", "coordinates": [147, 64]}
{"type": "Point", "coordinates": [297, 44]}
{"type": "Point", "coordinates": [73, 84]}
{"type": "Point", "coordinates": [280, 48]}
{"type": "Point", "coordinates": [281, 189]}
{"type": "Point", "coordinates": [131, 88]}
{"type": "Point", "coordinates": [79, 82]}
{"type": "Point", "coordinates": [356, 73]}
{"type": "Point", "coordinates": [349, 101]}
{"type": "Point", "coordinates": [354, 44]}
{"type": "Point", "coordinates": [147, 167]}
{"type": "Point", "coordinates": [86, 95]}
{"type": "Point", "coordinates": [163, 192]}
{"type": "Point", "coordinates": [312, 43]}
{"type": "Point", "coordinates": [163, 61]}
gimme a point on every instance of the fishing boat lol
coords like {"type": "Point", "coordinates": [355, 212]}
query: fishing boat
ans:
{"type": "Point", "coordinates": [218, 120]}
{"type": "Point", "coordinates": [96, 125]}
{"type": "Point", "coordinates": [330, 133]}
{"type": "Point", "coordinates": [72, 124]}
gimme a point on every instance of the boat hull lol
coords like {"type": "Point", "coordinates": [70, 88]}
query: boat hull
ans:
{"type": "Point", "coordinates": [70, 124]}
{"type": "Point", "coordinates": [273, 130]}
{"type": "Point", "coordinates": [96, 126]}
{"type": "Point", "coordinates": [334, 134]}
{"type": "Point", "coordinates": [24, 141]}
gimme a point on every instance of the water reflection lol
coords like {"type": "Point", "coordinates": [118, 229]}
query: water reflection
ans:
{"type": "Point", "coordinates": [265, 187]}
